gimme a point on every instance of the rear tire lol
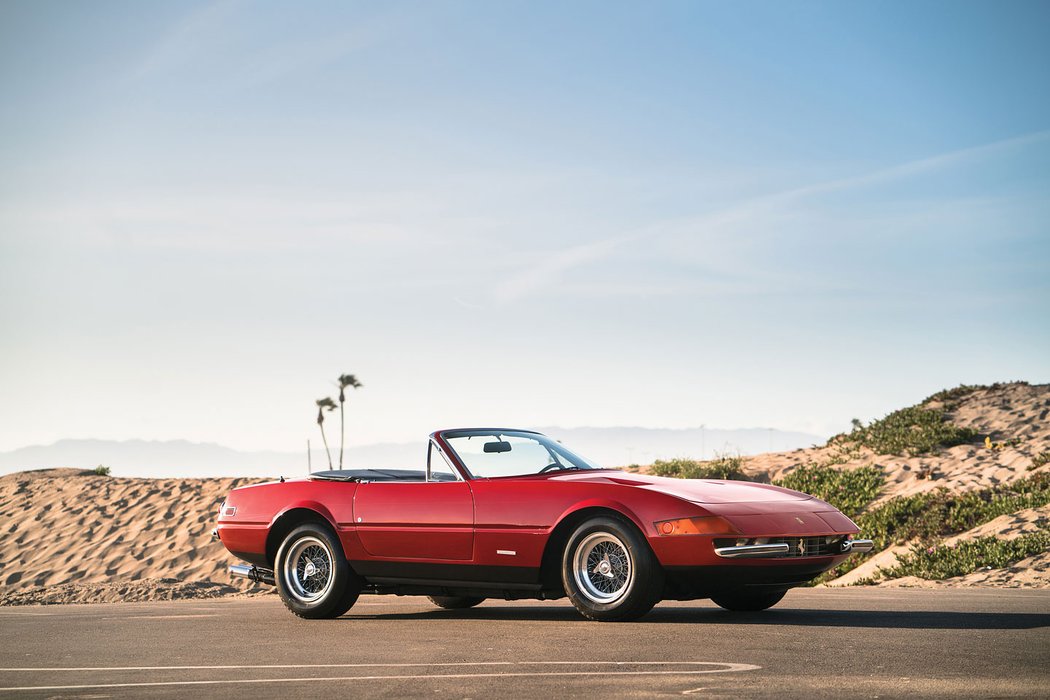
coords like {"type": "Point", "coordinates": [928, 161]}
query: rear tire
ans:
{"type": "Point", "coordinates": [455, 602]}
{"type": "Point", "coordinates": [313, 577]}
{"type": "Point", "coordinates": [748, 601]}
{"type": "Point", "coordinates": [609, 572]}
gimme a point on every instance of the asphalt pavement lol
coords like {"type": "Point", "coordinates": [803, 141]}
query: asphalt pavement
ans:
{"type": "Point", "coordinates": [857, 642]}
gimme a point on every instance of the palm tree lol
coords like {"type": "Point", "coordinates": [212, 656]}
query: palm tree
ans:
{"type": "Point", "coordinates": [324, 404]}
{"type": "Point", "coordinates": [345, 380]}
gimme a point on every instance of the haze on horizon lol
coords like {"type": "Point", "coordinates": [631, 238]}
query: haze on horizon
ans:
{"type": "Point", "coordinates": [777, 215]}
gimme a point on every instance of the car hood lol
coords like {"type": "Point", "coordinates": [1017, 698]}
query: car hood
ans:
{"type": "Point", "coordinates": [708, 491]}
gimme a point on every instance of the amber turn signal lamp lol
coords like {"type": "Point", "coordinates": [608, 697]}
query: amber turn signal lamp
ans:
{"type": "Point", "coordinates": [705, 525]}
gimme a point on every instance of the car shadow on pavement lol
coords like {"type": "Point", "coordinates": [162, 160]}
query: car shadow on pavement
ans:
{"type": "Point", "coordinates": [881, 619]}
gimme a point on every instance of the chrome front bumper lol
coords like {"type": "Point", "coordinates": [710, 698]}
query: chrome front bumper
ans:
{"type": "Point", "coordinates": [858, 546]}
{"type": "Point", "coordinates": [773, 551]}
{"type": "Point", "coordinates": [753, 551]}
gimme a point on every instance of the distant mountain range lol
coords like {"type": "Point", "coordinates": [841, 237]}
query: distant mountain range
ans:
{"type": "Point", "coordinates": [181, 458]}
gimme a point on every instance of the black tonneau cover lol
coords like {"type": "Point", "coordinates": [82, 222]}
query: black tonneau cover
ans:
{"type": "Point", "coordinates": [378, 475]}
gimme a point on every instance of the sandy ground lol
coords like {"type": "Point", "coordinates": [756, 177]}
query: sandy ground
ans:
{"type": "Point", "coordinates": [121, 592]}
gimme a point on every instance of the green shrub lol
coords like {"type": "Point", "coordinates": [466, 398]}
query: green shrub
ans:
{"type": "Point", "coordinates": [937, 514]}
{"type": "Point", "coordinates": [1039, 460]}
{"type": "Point", "coordinates": [945, 561]}
{"type": "Point", "coordinates": [899, 520]}
{"type": "Point", "coordinates": [942, 513]}
{"type": "Point", "coordinates": [102, 470]}
{"type": "Point", "coordinates": [951, 397]}
{"type": "Point", "coordinates": [910, 431]}
{"type": "Point", "coordinates": [847, 490]}
{"type": "Point", "coordinates": [722, 467]}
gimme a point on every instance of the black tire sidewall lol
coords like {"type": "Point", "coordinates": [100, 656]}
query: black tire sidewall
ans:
{"type": "Point", "coordinates": [646, 586]}
{"type": "Point", "coordinates": [345, 586]}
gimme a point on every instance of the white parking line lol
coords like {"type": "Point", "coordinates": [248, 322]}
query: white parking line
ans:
{"type": "Point", "coordinates": [724, 668]}
{"type": "Point", "coordinates": [229, 667]}
{"type": "Point", "coordinates": [161, 617]}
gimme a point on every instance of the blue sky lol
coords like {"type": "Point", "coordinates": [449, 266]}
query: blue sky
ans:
{"type": "Point", "coordinates": [651, 214]}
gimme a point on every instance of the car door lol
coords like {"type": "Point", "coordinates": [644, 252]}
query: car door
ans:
{"type": "Point", "coordinates": [429, 520]}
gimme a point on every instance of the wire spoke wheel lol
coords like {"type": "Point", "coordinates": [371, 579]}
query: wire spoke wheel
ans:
{"type": "Point", "coordinates": [602, 568]}
{"type": "Point", "coordinates": [307, 570]}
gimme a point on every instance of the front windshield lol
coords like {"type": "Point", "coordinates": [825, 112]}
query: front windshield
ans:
{"type": "Point", "coordinates": [490, 453]}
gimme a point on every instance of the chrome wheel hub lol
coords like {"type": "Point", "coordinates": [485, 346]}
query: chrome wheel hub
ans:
{"type": "Point", "coordinates": [602, 568]}
{"type": "Point", "coordinates": [307, 570]}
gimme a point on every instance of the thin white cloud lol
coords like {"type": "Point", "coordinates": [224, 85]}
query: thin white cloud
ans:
{"type": "Point", "coordinates": [914, 167]}
{"type": "Point", "coordinates": [189, 38]}
{"type": "Point", "coordinates": [547, 271]}
{"type": "Point", "coordinates": [208, 38]}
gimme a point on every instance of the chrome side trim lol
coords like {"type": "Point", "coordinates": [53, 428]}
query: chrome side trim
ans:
{"type": "Point", "coordinates": [753, 551]}
{"type": "Point", "coordinates": [858, 546]}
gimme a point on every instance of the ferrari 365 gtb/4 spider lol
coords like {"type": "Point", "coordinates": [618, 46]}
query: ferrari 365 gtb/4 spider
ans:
{"type": "Point", "coordinates": [511, 514]}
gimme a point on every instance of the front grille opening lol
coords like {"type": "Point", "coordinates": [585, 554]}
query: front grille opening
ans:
{"type": "Point", "coordinates": [813, 546]}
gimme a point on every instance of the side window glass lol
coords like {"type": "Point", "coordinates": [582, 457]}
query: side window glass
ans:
{"type": "Point", "coordinates": [439, 468]}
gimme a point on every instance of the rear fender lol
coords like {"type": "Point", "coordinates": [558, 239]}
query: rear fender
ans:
{"type": "Point", "coordinates": [316, 507]}
{"type": "Point", "coordinates": [287, 519]}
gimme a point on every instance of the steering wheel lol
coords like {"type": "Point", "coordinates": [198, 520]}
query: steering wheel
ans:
{"type": "Point", "coordinates": [550, 467]}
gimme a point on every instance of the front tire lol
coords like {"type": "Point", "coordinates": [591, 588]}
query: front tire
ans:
{"type": "Point", "coordinates": [748, 601]}
{"type": "Point", "coordinates": [609, 572]}
{"type": "Point", "coordinates": [313, 577]}
{"type": "Point", "coordinates": [455, 602]}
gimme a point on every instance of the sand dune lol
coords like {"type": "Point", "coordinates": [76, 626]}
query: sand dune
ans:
{"type": "Point", "coordinates": [66, 526]}
{"type": "Point", "coordinates": [1008, 411]}
{"type": "Point", "coordinates": [1033, 572]}
{"type": "Point", "coordinates": [140, 590]}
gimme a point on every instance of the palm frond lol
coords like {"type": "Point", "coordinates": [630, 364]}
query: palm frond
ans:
{"type": "Point", "coordinates": [349, 380]}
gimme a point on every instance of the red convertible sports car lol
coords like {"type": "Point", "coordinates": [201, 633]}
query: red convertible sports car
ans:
{"type": "Point", "coordinates": [514, 514]}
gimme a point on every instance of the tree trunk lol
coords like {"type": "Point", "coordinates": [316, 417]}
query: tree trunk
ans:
{"type": "Point", "coordinates": [327, 452]}
{"type": "Point", "coordinates": [342, 430]}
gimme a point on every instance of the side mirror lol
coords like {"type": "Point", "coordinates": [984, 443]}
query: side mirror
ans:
{"type": "Point", "coordinates": [498, 446]}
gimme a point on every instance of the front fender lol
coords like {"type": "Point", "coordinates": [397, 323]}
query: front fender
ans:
{"type": "Point", "coordinates": [606, 504]}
